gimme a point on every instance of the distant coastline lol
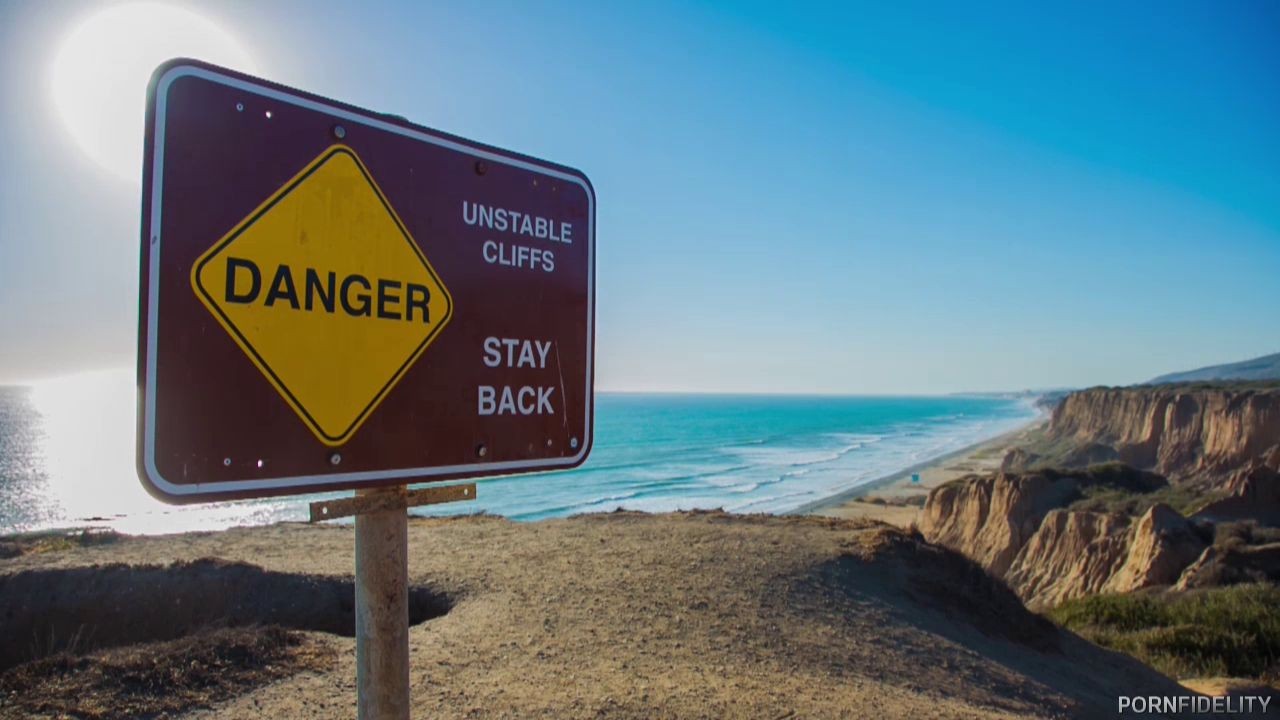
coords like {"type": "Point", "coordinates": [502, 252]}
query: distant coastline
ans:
{"type": "Point", "coordinates": [897, 488]}
{"type": "Point", "coordinates": [73, 438]}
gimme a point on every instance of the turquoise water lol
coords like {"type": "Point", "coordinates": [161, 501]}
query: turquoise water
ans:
{"type": "Point", "coordinates": [66, 456]}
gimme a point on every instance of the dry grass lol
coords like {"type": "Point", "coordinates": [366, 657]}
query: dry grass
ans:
{"type": "Point", "coordinates": [55, 541]}
{"type": "Point", "coordinates": [154, 679]}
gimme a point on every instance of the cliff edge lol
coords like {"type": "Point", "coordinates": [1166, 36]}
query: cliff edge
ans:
{"type": "Point", "coordinates": [623, 615]}
{"type": "Point", "coordinates": [1200, 435]}
{"type": "Point", "coordinates": [1020, 528]}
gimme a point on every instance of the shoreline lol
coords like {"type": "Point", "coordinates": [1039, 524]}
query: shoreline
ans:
{"type": "Point", "coordinates": [898, 494]}
{"type": "Point", "coordinates": [895, 483]}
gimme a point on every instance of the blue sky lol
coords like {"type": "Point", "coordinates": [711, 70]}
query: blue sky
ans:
{"type": "Point", "coordinates": [876, 198]}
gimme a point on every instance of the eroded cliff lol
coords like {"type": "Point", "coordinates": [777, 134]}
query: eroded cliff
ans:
{"type": "Point", "coordinates": [1193, 434]}
{"type": "Point", "coordinates": [1018, 528]}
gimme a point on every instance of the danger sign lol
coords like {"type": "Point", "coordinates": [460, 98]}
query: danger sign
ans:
{"type": "Point", "coordinates": [333, 298]}
{"type": "Point", "coordinates": [348, 301]}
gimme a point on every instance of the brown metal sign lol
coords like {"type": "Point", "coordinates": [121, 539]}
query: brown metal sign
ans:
{"type": "Point", "coordinates": [334, 298]}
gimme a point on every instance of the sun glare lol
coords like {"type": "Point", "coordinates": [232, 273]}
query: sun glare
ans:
{"type": "Point", "coordinates": [99, 76]}
{"type": "Point", "coordinates": [87, 438]}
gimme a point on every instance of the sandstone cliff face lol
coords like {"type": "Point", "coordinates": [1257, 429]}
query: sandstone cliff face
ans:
{"type": "Point", "coordinates": [1016, 525]}
{"type": "Point", "coordinates": [1071, 554]}
{"type": "Point", "coordinates": [1252, 494]}
{"type": "Point", "coordinates": [1011, 525]}
{"type": "Point", "coordinates": [990, 518]}
{"type": "Point", "coordinates": [1161, 544]}
{"type": "Point", "coordinates": [1188, 434]}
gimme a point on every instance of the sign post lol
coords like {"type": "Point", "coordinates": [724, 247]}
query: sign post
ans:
{"type": "Point", "coordinates": [382, 610]}
{"type": "Point", "coordinates": [382, 589]}
{"type": "Point", "coordinates": [332, 299]}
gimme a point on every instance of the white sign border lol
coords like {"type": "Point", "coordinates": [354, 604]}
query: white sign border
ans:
{"type": "Point", "coordinates": [240, 487]}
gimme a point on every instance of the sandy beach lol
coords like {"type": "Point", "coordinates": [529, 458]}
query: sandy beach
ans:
{"type": "Point", "coordinates": [896, 499]}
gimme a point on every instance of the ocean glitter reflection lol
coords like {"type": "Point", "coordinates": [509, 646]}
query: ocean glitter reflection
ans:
{"type": "Point", "coordinates": [67, 450]}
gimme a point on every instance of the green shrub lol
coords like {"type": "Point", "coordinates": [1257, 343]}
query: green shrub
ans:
{"type": "Point", "coordinates": [1244, 532]}
{"type": "Point", "coordinates": [1109, 499]}
{"type": "Point", "coordinates": [1232, 631]}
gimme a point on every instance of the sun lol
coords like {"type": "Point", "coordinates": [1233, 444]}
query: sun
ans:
{"type": "Point", "coordinates": [99, 75]}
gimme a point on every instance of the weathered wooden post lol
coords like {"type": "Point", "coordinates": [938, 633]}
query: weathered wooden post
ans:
{"type": "Point", "coordinates": [382, 608]}
{"type": "Point", "coordinates": [382, 588]}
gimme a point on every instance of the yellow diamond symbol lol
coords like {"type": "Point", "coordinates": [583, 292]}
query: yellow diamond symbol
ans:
{"type": "Point", "coordinates": [326, 292]}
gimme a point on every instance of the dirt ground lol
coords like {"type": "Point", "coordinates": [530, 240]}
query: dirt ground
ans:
{"type": "Point", "coordinates": [158, 679]}
{"type": "Point", "coordinates": [688, 615]}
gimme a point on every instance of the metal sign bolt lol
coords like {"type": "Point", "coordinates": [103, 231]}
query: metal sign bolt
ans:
{"type": "Point", "coordinates": [335, 458]}
{"type": "Point", "coordinates": [339, 131]}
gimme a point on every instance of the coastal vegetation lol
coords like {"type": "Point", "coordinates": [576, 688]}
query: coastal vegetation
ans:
{"type": "Point", "coordinates": [1216, 632]}
{"type": "Point", "coordinates": [1133, 503]}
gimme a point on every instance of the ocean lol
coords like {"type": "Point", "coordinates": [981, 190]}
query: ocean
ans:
{"type": "Point", "coordinates": [67, 445]}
